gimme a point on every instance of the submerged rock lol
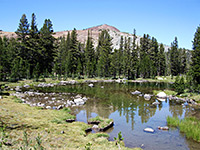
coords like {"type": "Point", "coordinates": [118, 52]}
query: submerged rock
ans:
{"type": "Point", "coordinates": [150, 130]}
{"type": "Point", "coordinates": [163, 128]}
{"type": "Point", "coordinates": [161, 99]}
{"type": "Point", "coordinates": [155, 103]}
{"type": "Point", "coordinates": [147, 96]}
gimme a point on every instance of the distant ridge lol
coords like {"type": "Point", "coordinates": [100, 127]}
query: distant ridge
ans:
{"type": "Point", "coordinates": [95, 31]}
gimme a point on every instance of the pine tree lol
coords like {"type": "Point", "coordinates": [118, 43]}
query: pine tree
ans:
{"type": "Point", "coordinates": [161, 61]}
{"type": "Point", "coordinates": [114, 63]}
{"type": "Point", "coordinates": [154, 56]}
{"type": "Point", "coordinates": [22, 36]}
{"type": "Point", "coordinates": [145, 61]}
{"type": "Point", "coordinates": [105, 50]}
{"type": "Point", "coordinates": [47, 46]}
{"type": "Point", "coordinates": [23, 28]}
{"type": "Point", "coordinates": [33, 46]}
{"type": "Point", "coordinates": [174, 58]}
{"type": "Point", "coordinates": [135, 58]}
{"type": "Point", "coordinates": [195, 66]}
{"type": "Point", "coordinates": [73, 54]}
{"type": "Point", "coordinates": [183, 60]}
{"type": "Point", "coordinates": [120, 57]}
{"type": "Point", "coordinates": [89, 57]}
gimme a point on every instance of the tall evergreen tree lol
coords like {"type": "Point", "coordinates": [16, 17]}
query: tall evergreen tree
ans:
{"type": "Point", "coordinates": [135, 56]}
{"type": "Point", "coordinates": [47, 46]}
{"type": "Point", "coordinates": [120, 57]}
{"type": "Point", "coordinates": [33, 47]}
{"type": "Point", "coordinates": [174, 58]}
{"type": "Point", "coordinates": [183, 60]}
{"type": "Point", "coordinates": [161, 61]}
{"type": "Point", "coordinates": [73, 54]}
{"type": "Point", "coordinates": [105, 50]}
{"type": "Point", "coordinates": [89, 57]}
{"type": "Point", "coordinates": [195, 66]}
{"type": "Point", "coordinates": [154, 56]}
{"type": "Point", "coordinates": [23, 28]}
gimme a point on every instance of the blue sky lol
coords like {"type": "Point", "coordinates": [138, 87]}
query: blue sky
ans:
{"type": "Point", "coordinates": [162, 19]}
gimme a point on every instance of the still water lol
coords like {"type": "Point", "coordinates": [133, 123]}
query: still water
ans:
{"type": "Point", "coordinates": [132, 113]}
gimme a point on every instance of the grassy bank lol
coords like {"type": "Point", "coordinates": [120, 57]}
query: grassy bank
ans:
{"type": "Point", "coordinates": [29, 127]}
{"type": "Point", "coordinates": [189, 126]}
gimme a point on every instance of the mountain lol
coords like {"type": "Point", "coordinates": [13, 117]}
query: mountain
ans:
{"type": "Point", "coordinates": [95, 31]}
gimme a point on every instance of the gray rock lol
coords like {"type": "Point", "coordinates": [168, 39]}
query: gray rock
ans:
{"type": "Point", "coordinates": [60, 107]}
{"type": "Point", "coordinates": [91, 85]}
{"type": "Point", "coordinates": [46, 98]}
{"type": "Point", "coordinates": [62, 132]}
{"type": "Point", "coordinates": [150, 130]}
{"type": "Point", "coordinates": [136, 92]}
{"type": "Point", "coordinates": [155, 103]}
{"type": "Point", "coordinates": [147, 96]}
{"type": "Point", "coordinates": [161, 95]}
{"type": "Point", "coordinates": [79, 101]}
{"type": "Point", "coordinates": [95, 126]}
{"type": "Point", "coordinates": [163, 128]}
{"type": "Point", "coordinates": [68, 103]}
{"type": "Point", "coordinates": [26, 86]}
{"type": "Point", "coordinates": [1, 97]}
{"type": "Point", "coordinates": [18, 88]}
{"type": "Point", "coordinates": [84, 99]}
{"type": "Point", "coordinates": [48, 107]}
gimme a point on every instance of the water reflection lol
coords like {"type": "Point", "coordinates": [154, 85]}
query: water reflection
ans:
{"type": "Point", "coordinates": [132, 114]}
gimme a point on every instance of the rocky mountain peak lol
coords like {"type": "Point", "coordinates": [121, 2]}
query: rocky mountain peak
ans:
{"type": "Point", "coordinates": [104, 27]}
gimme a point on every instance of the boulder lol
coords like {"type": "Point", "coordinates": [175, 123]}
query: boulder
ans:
{"type": "Point", "coordinates": [95, 126]}
{"type": "Point", "coordinates": [91, 85]}
{"type": "Point", "coordinates": [45, 97]}
{"type": "Point", "coordinates": [136, 92]}
{"type": "Point", "coordinates": [161, 95]}
{"type": "Point", "coordinates": [147, 96]}
{"type": "Point", "coordinates": [79, 101]}
{"type": "Point", "coordinates": [150, 130]}
{"type": "Point", "coordinates": [160, 78]}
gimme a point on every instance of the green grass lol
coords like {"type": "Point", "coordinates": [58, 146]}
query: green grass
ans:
{"type": "Point", "coordinates": [46, 128]}
{"type": "Point", "coordinates": [190, 126]}
{"type": "Point", "coordinates": [168, 92]}
{"type": "Point", "coordinates": [103, 121]}
{"type": "Point", "coordinates": [97, 118]}
{"type": "Point", "coordinates": [166, 79]}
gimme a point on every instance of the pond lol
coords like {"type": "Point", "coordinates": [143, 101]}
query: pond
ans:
{"type": "Point", "coordinates": [132, 113]}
